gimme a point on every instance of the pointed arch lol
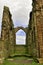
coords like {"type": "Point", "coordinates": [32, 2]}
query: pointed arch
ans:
{"type": "Point", "coordinates": [20, 37]}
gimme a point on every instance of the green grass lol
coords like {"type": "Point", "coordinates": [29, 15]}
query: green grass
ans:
{"type": "Point", "coordinates": [13, 63]}
{"type": "Point", "coordinates": [7, 62]}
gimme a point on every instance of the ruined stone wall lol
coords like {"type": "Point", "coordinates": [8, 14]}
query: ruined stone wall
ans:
{"type": "Point", "coordinates": [31, 37]}
{"type": "Point", "coordinates": [7, 33]}
{"type": "Point", "coordinates": [36, 25]}
{"type": "Point", "coordinates": [18, 28]}
{"type": "Point", "coordinates": [38, 20]}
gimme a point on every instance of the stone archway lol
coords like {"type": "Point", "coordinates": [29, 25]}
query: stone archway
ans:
{"type": "Point", "coordinates": [20, 48]}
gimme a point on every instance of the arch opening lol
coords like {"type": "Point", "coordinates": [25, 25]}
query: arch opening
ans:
{"type": "Point", "coordinates": [20, 37]}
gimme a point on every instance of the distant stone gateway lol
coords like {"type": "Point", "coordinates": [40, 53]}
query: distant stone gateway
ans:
{"type": "Point", "coordinates": [34, 34]}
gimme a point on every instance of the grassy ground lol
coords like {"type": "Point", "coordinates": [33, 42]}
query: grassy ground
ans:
{"type": "Point", "coordinates": [19, 61]}
{"type": "Point", "coordinates": [13, 63]}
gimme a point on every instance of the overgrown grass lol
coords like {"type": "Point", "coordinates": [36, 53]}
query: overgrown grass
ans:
{"type": "Point", "coordinates": [14, 63]}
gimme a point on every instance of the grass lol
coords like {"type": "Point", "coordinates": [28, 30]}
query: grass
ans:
{"type": "Point", "coordinates": [7, 62]}
{"type": "Point", "coordinates": [13, 63]}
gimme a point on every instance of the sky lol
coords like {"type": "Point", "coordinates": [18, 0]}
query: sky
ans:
{"type": "Point", "coordinates": [21, 33]}
{"type": "Point", "coordinates": [20, 10]}
{"type": "Point", "coordinates": [20, 37]}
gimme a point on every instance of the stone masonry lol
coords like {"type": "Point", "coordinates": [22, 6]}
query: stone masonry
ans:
{"type": "Point", "coordinates": [34, 33]}
{"type": "Point", "coordinates": [36, 28]}
{"type": "Point", "coordinates": [7, 33]}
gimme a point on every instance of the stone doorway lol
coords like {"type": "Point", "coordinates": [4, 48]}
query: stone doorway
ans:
{"type": "Point", "coordinates": [20, 47]}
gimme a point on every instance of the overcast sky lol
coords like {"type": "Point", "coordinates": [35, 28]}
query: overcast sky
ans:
{"type": "Point", "coordinates": [20, 10]}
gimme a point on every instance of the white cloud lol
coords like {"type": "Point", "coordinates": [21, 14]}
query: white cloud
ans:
{"type": "Point", "coordinates": [15, 6]}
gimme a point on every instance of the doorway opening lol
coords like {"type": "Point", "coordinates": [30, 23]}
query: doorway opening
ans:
{"type": "Point", "coordinates": [20, 37]}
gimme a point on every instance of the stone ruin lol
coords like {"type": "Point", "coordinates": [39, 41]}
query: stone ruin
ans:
{"type": "Point", "coordinates": [36, 27]}
{"type": "Point", "coordinates": [34, 34]}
